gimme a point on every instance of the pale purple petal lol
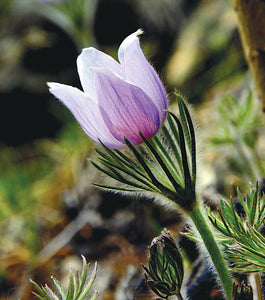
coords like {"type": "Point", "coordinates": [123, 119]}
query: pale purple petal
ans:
{"type": "Point", "coordinates": [91, 57]}
{"type": "Point", "coordinates": [86, 112]}
{"type": "Point", "coordinates": [125, 108]}
{"type": "Point", "coordinates": [138, 71]}
{"type": "Point", "coordinates": [119, 99]}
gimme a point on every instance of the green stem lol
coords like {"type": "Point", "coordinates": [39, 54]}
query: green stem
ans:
{"type": "Point", "coordinates": [214, 251]}
{"type": "Point", "coordinates": [258, 286]}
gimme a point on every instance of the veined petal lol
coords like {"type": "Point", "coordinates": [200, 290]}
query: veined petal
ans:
{"type": "Point", "coordinates": [138, 71]}
{"type": "Point", "coordinates": [86, 112]}
{"type": "Point", "coordinates": [125, 108]}
{"type": "Point", "coordinates": [91, 57]}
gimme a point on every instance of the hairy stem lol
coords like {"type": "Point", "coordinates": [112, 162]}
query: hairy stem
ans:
{"type": "Point", "coordinates": [258, 286]}
{"type": "Point", "coordinates": [213, 250]}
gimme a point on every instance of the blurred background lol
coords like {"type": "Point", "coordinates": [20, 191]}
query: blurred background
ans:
{"type": "Point", "coordinates": [50, 213]}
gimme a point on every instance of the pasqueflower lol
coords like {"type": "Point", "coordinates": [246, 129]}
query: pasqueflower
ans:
{"type": "Point", "coordinates": [119, 99]}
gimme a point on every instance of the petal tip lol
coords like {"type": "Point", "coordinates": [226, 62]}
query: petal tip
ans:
{"type": "Point", "coordinates": [139, 32]}
{"type": "Point", "coordinates": [88, 49]}
{"type": "Point", "coordinates": [53, 85]}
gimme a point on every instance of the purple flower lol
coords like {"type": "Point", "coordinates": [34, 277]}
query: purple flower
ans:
{"type": "Point", "coordinates": [119, 99]}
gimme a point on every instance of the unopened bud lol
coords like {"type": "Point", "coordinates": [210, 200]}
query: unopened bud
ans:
{"type": "Point", "coordinates": [242, 292]}
{"type": "Point", "coordinates": [165, 267]}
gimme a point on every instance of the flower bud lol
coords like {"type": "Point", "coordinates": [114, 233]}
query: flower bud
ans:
{"type": "Point", "coordinates": [165, 267]}
{"type": "Point", "coordinates": [242, 292]}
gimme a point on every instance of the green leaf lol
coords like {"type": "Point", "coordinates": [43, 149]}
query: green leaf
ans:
{"type": "Point", "coordinates": [141, 178]}
{"type": "Point", "coordinates": [81, 283]}
{"type": "Point", "coordinates": [218, 140]}
{"type": "Point", "coordinates": [184, 123]}
{"type": "Point", "coordinates": [95, 296]}
{"type": "Point", "coordinates": [184, 157]}
{"type": "Point", "coordinates": [51, 294]}
{"type": "Point", "coordinates": [89, 284]}
{"type": "Point", "coordinates": [246, 108]}
{"type": "Point", "coordinates": [121, 158]}
{"type": "Point", "coordinates": [174, 183]}
{"type": "Point", "coordinates": [112, 172]}
{"type": "Point", "coordinates": [247, 245]}
{"type": "Point", "coordinates": [111, 187]}
{"type": "Point", "coordinates": [149, 171]}
{"type": "Point", "coordinates": [41, 290]}
{"type": "Point", "coordinates": [40, 297]}
{"type": "Point", "coordinates": [192, 141]}
{"type": "Point", "coordinates": [59, 287]}
{"type": "Point", "coordinates": [174, 148]}
{"type": "Point", "coordinates": [77, 290]}
{"type": "Point", "coordinates": [108, 172]}
{"type": "Point", "coordinates": [71, 289]}
{"type": "Point", "coordinates": [253, 207]}
{"type": "Point", "coordinates": [238, 125]}
{"type": "Point", "coordinates": [163, 153]}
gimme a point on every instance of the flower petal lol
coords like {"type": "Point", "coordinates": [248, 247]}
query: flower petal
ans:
{"type": "Point", "coordinates": [125, 108]}
{"type": "Point", "coordinates": [86, 112]}
{"type": "Point", "coordinates": [138, 71]}
{"type": "Point", "coordinates": [91, 57]}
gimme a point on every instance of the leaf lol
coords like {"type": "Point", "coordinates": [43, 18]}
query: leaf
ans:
{"type": "Point", "coordinates": [218, 140]}
{"type": "Point", "coordinates": [78, 286]}
{"type": "Point", "coordinates": [193, 141]}
{"type": "Point", "coordinates": [148, 170]}
{"type": "Point", "coordinates": [163, 153]}
{"type": "Point", "coordinates": [183, 150]}
{"type": "Point", "coordinates": [253, 207]}
{"type": "Point", "coordinates": [95, 296]}
{"type": "Point", "coordinates": [175, 184]}
{"type": "Point", "coordinates": [174, 147]}
{"type": "Point", "coordinates": [245, 108]}
{"type": "Point", "coordinates": [246, 247]}
{"type": "Point", "coordinates": [51, 294]}
{"type": "Point", "coordinates": [41, 290]}
{"type": "Point", "coordinates": [59, 287]}
{"type": "Point", "coordinates": [71, 289]}
{"type": "Point", "coordinates": [89, 284]}
{"type": "Point", "coordinates": [141, 178]}
{"type": "Point", "coordinates": [184, 123]}
{"type": "Point", "coordinates": [117, 188]}
{"type": "Point", "coordinates": [40, 297]}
